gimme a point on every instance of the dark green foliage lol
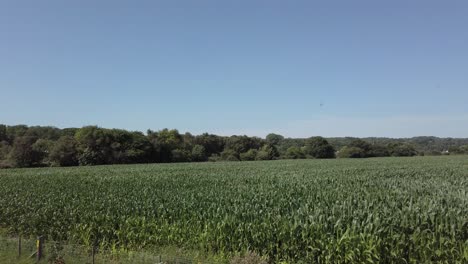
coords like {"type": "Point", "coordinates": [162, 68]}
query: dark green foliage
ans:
{"type": "Point", "coordinates": [241, 144]}
{"type": "Point", "coordinates": [65, 152]}
{"type": "Point", "coordinates": [294, 153]}
{"type": "Point", "coordinates": [378, 151]}
{"type": "Point", "coordinates": [229, 155]}
{"type": "Point", "coordinates": [213, 144]}
{"type": "Point", "coordinates": [13, 132]}
{"type": "Point", "coordinates": [433, 153]}
{"type": "Point", "coordinates": [43, 147]}
{"type": "Point", "coordinates": [95, 146]}
{"type": "Point", "coordinates": [359, 148]}
{"type": "Point", "coordinates": [351, 152]}
{"type": "Point", "coordinates": [23, 154]}
{"type": "Point", "coordinates": [361, 144]}
{"type": "Point", "coordinates": [89, 157]}
{"type": "Point", "coordinates": [4, 149]}
{"type": "Point", "coordinates": [319, 148]}
{"type": "Point", "coordinates": [464, 149]}
{"type": "Point", "coordinates": [401, 150]}
{"type": "Point", "coordinates": [267, 152]}
{"type": "Point", "coordinates": [199, 153]}
{"type": "Point", "coordinates": [249, 155]}
{"type": "Point", "coordinates": [43, 132]}
{"type": "Point", "coordinates": [180, 155]}
{"type": "Point", "coordinates": [71, 131]}
{"type": "Point", "coordinates": [457, 150]}
{"type": "Point", "coordinates": [164, 142]}
{"type": "Point", "coordinates": [274, 139]}
{"type": "Point", "coordinates": [3, 133]}
{"type": "Point", "coordinates": [214, 158]}
{"type": "Point", "coordinates": [262, 155]}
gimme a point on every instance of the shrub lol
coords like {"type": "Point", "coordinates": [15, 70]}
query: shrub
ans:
{"type": "Point", "coordinates": [319, 148]}
{"type": "Point", "coordinates": [294, 153]}
{"type": "Point", "coordinates": [23, 154]}
{"type": "Point", "coordinates": [65, 152]}
{"type": "Point", "coordinates": [351, 152]}
{"type": "Point", "coordinates": [249, 155]}
{"type": "Point", "coordinates": [198, 153]}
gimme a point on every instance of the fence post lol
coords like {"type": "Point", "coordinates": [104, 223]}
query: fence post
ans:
{"type": "Point", "coordinates": [19, 246]}
{"type": "Point", "coordinates": [94, 252]}
{"type": "Point", "coordinates": [39, 247]}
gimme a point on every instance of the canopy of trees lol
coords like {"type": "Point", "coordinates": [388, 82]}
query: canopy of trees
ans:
{"type": "Point", "coordinates": [23, 146]}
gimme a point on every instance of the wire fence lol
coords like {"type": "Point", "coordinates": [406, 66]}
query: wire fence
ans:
{"type": "Point", "coordinates": [21, 250]}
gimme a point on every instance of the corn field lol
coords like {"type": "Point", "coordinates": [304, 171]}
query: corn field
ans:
{"type": "Point", "coordinates": [384, 210]}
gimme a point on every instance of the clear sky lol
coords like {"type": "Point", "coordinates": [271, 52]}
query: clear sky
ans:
{"type": "Point", "coordinates": [394, 68]}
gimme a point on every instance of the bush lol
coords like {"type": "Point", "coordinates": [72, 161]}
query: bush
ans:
{"type": "Point", "coordinates": [214, 158]}
{"type": "Point", "coordinates": [378, 151]}
{"type": "Point", "coordinates": [4, 150]}
{"type": "Point", "coordinates": [262, 155]}
{"type": "Point", "coordinates": [6, 164]}
{"type": "Point", "coordinates": [319, 148]}
{"type": "Point", "coordinates": [402, 150]}
{"type": "Point", "coordinates": [351, 152]}
{"type": "Point", "coordinates": [43, 147]}
{"type": "Point", "coordinates": [65, 152]}
{"type": "Point", "coordinates": [90, 157]}
{"type": "Point", "coordinates": [294, 153]}
{"type": "Point", "coordinates": [249, 155]}
{"type": "Point", "coordinates": [180, 155]}
{"type": "Point", "coordinates": [198, 153]}
{"type": "Point", "coordinates": [433, 153]}
{"type": "Point", "coordinates": [23, 154]}
{"type": "Point", "coordinates": [229, 155]}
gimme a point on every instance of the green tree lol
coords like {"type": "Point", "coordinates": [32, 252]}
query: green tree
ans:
{"type": "Point", "coordinates": [319, 148]}
{"type": "Point", "coordinates": [23, 154]}
{"type": "Point", "coordinates": [213, 144]}
{"type": "Point", "coordinates": [363, 145]}
{"type": "Point", "coordinates": [199, 153]}
{"type": "Point", "coordinates": [351, 152]}
{"type": "Point", "coordinates": [180, 155]}
{"type": "Point", "coordinates": [268, 152]}
{"type": "Point", "coordinates": [4, 149]}
{"type": "Point", "coordinates": [241, 144]}
{"type": "Point", "coordinates": [378, 151]}
{"type": "Point", "coordinates": [274, 139]}
{"type": "Point", "coordinates": [455, 150]}
{"type": "Point", "coordinates": [164, 142]}
{"type": "Point", "coordinates": [43, 147]}
{"type": "Point", "coordinates": [16, 131]}
{"type": "Point", "coordinates": [3, 133]}
{"type": "Point", "coordinates": [294, 153]}
{"type": "Point", "coordinates": [401, 150]}
{"type": "Point", "coordinates": [43, 132]}
{"type": "Point", "coordinates": [464, 149]}
{"type": "Point", "coordinates": [94, 145]}
{"type": "Point", "coordinates": [251, 154]}
{"type": "Point", "coordinates": [229, 155]}
{"type": "Point", "coordinates": [65, 152]}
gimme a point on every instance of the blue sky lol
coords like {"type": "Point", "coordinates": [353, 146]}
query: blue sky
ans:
{"type": "Point", "coordinates": [300, 68]}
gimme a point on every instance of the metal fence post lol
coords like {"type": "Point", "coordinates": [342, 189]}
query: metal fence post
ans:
{"type": "Point", "coordinates": [94, 252]}
{"type": "Point", "coordinates": [19, 246]}
{"type": "Point", "coordinates": [39, 248]}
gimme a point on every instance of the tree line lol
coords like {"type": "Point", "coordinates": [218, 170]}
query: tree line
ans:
{"type": "Point", "coordinates": [35, 146]}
